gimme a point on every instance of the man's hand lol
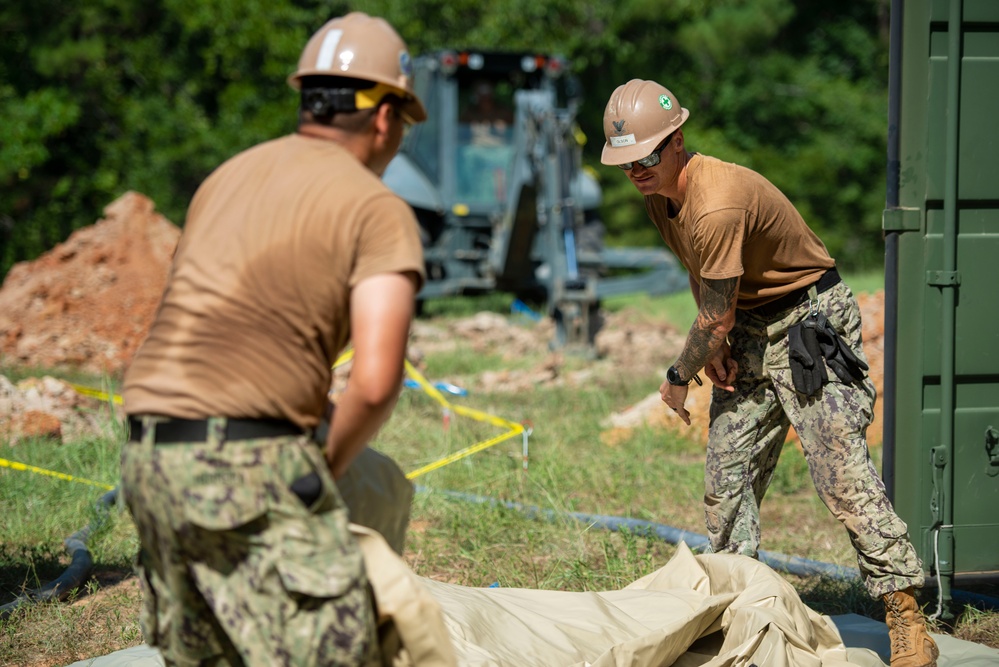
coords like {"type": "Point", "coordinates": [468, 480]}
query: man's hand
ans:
{"type": "Point", "coordinates": [721, 369]}
{"type": "Point", "coordinates": [675, 395]}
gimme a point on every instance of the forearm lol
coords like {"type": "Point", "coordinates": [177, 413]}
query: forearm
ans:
{"type": "Point", "coordinates": [716, 300]}
{"type": "Point", "coordinates": [702, 344]}
{"type": "Point", "coordinates": [354, 423]}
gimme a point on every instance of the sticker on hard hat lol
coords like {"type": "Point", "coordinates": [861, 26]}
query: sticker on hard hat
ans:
{"type": "Point", "coordinates": [324, 59]}
{"type": "Point", "coordinates": [665, 102]}
{"type": "Point", "coordinates": [405, 63]}
{"type": "Point", "coordinates": [625, 140]}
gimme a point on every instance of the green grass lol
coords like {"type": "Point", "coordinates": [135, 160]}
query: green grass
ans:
{"type": "Point", "coordinates": [460, 362]}
{"type": "Point", "coordinates": [15, 373]}
{"type": "Point", "coordinates": [651, 474]}
{"type": "Point", "coordinates": [39, 512]}
{"type": "Point", "coordinates": [866, 282]}
{"type": "Point", "coordinates": [463, 306]}
{"type": "Point", "coordinates": [677, 309]}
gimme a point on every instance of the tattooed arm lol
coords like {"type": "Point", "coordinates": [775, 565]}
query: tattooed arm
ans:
{"type": "Point", "coordinates": [716, 301]}
{"type": "Point", "coordinates": [706, 345]}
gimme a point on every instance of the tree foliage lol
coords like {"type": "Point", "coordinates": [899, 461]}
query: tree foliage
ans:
{"type": "Point", "coordinates": [150, 95]}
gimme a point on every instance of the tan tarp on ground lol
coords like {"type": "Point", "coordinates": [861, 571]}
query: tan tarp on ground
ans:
{"type": "Point", "coordinates": [697, 611]}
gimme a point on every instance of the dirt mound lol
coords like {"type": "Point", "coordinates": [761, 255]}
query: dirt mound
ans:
{"type": "Point", "coordinates": [88, 303]}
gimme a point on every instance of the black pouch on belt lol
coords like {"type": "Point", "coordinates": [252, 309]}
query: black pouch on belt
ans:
{"type": "Point", "coordinates": [805, 357]}
{"type": "Point", "coordinates": [307, 488]}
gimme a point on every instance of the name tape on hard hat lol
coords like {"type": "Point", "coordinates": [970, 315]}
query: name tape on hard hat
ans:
{"type": "Point", "coordinates": [623, 140]}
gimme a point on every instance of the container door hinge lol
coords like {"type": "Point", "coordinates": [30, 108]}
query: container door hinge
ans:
{"type": "Point", "coordinates": [902, 219]}
{"type": "Point", "coordinates": [943, 278]}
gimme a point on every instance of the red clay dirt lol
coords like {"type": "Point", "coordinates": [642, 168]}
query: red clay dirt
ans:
{"type": "Point", "coordinates": [88, 302]}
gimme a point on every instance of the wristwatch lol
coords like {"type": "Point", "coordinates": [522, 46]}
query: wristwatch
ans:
{"type": "Point", "coordinates": [673, 377]}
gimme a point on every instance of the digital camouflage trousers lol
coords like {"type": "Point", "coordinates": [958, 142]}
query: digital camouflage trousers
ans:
{"type": "Point", "coordinates": [748, 429]}
{"type": "Point", "coordinates": [234, 568]}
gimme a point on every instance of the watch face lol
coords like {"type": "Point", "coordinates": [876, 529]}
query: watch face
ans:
{"type": "Point", "coordinates": [673, 376]}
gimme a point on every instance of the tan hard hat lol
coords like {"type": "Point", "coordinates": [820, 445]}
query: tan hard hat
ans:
{"type": "Point", "coordinates": [638, 116]}
{"type": "Point", "coordinates": [358, 46]}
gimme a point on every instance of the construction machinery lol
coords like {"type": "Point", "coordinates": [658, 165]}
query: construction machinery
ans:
{"type": "Point", "coordinates": [496, 179]}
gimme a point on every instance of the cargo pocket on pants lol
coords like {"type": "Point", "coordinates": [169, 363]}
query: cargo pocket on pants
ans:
{"type": "Point", "coordinates": [321, 568]}
{"type": "Point", "coordinates": [892, 528]}
{"type": "Point", "coordinates": [330, 616]}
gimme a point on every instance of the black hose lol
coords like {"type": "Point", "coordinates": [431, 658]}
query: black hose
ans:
{"type": "Point", "coordinates": [81, 563]}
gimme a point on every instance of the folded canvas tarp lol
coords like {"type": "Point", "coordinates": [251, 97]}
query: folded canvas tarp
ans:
{"type": "Point", "coordinates": [709, 610]}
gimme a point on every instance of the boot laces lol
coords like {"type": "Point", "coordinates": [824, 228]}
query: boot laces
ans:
{"type": "Point", "coordinates": [898, 626]}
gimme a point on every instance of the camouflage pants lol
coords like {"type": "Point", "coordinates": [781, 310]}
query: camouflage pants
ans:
{"type": "Point", "coordinates": [234, 568]}
{"type": "Point", "coordinates": [748, 429]}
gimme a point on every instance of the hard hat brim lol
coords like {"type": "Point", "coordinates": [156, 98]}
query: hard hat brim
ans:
{"type": "Point", "coordinates": [414, 107]}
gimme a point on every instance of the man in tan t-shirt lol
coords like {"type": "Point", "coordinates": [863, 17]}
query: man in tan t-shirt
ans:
{"type": "Point", "coordinates": [290, 250]}
{"type": "Point", "coordinates": [779, 336]}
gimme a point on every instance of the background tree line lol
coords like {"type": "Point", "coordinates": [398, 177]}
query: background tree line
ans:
{"type": "Point", "coordinates": [105, 96]}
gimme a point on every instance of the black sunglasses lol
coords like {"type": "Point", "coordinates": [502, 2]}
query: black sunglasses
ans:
{"type": "Point", "coordinates": [651, 160]}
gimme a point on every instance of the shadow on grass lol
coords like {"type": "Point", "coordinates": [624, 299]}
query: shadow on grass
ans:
{"type": "Point", "coordinates": [24, 568]}
{"type": "Point", "coordinates": [834, 597]}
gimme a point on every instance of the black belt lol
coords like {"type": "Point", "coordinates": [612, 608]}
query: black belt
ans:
{"type": "Point", "coordinates": [196, 430]}
{"type": "Point", "coordinates": [798, 296]}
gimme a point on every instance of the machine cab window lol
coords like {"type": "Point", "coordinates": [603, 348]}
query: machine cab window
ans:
{"type": "Point", "coordinates": [485, 143]}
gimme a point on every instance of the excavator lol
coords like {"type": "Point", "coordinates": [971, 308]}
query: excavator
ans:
{"type": "Point", "coordinates": [496, 179]}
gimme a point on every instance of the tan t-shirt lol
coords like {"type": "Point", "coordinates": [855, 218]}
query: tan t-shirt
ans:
{"type": "Point", "coordinates": [734, 222]}
{"type": "Point", "coordinates": [256, 309]}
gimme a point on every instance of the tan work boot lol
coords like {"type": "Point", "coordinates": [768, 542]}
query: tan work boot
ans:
{"type": "Point", "coordinates": [911, 644]}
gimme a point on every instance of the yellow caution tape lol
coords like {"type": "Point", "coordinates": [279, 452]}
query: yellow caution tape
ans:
{"type": "Point", "coordinates": [514, 429]}
{"type": "Point", "coordinates": [478, 415]}
{"type": "Point", "coordinates": [427, 387]}
{"type": "Point", "coordinates": [24, 467]}
{"type": "Point", "coordinates": [94, 393]}
{"type": "Point", "coordinates": [468, 451]}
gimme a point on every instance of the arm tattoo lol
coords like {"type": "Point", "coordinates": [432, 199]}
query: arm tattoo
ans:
{"type": "Point", "coordinates": [717, 305]}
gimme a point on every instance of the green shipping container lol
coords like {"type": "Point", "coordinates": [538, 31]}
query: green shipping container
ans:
{"type": "Point", "coordinates": [941, 224]}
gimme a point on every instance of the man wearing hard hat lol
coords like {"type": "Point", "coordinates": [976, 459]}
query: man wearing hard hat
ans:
{"type": "Point", "coordinates": [779, 335]}
{"type": "Point", "coordinates": [290, 250]}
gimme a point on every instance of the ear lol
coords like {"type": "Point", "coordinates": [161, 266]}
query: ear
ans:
{"type": "Point", "coordinates": [678, 140]}
{"type": "Point", "coordinates": [383, 119]}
